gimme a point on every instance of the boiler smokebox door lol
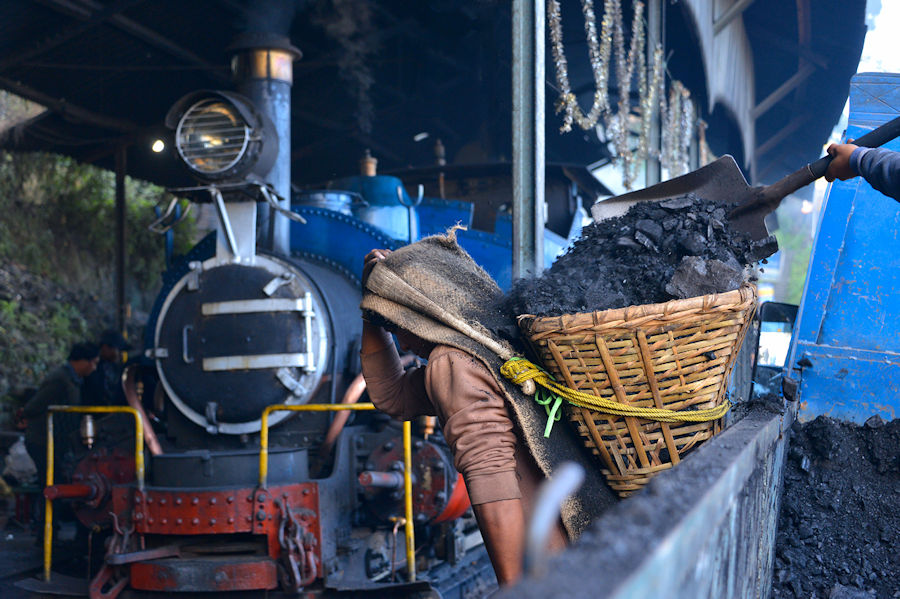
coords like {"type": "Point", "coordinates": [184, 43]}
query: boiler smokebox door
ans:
{"type": "Point", "coordinates": [234, 338]}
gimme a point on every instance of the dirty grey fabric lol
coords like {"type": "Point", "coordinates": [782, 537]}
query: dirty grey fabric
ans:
{"type": "Point", "coordinates": [435, 290]}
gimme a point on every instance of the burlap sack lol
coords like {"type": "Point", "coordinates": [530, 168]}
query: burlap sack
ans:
{"type": "Point", "coordinates": [435, 290]}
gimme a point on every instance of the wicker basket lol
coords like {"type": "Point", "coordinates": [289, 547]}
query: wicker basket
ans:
{"type": "Point", "coordinates": [676, 355]}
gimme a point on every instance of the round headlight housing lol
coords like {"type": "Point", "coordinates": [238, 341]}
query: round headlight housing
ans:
{"type": "Point", "coordinates": [221, 135]}
{"type": "Point", "coordinates": [212, 137]}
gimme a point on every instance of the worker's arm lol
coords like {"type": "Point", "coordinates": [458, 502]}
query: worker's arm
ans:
{"type": "Point", "coordinates": [393, 391]}
{"type": "Point", "coordinates": [51, 391]}
{"type": "Point", "coordinates": [879, 166]}
{"type": "Point", "coordinates": [502, 525]}
{"type": "Point", "coordinates": [478, 428]}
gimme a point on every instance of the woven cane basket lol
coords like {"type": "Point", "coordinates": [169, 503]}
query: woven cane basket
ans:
{"type": "Point", "coordinates": [676, 355]}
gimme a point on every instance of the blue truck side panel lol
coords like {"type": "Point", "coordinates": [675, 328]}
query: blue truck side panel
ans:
{"type": "Point", "coordinates": [846, 348]}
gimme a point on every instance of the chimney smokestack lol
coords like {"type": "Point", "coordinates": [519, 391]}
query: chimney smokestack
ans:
{"type": "Point", "coordinates": [263, 65]}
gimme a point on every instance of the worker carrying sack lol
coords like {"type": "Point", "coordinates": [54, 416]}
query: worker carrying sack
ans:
{"type": "Point", "coordinates": [434, 290]}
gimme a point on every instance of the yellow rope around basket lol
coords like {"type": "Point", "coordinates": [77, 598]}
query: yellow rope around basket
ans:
{"type": "Point", "coordinates": [518, 370]}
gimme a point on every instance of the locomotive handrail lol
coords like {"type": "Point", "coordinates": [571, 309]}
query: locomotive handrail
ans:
{"type": "Point", "coordinates": [138, 463]}
{"type": "Point", "coordinates": [407, 462]}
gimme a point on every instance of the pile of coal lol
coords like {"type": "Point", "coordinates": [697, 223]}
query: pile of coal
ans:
{"type": "Point", "coordinates": [656, 252]}
{"type": "Point", "coordinates": [837, 530]}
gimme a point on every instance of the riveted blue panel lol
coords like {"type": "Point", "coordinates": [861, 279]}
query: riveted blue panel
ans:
{"type": "Point", "coordinates": [846, 350]}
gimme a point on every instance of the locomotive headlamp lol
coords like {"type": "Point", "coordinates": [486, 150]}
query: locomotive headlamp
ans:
{"type": "Point", "coordinates": [221, 136]}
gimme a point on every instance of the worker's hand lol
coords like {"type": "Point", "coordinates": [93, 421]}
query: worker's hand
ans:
{"type": "Point", "coordinates": [840, 163]}
{"type": "Point", "coordinates": [369, 262]}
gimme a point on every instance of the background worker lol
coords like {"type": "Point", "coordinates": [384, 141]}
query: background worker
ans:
{"type": "Point", "coordinates": [61, 387]}
{"type": "Point", "coordinates": [104, 386]}
{"type": "Point", "coordinates": [879, 166]}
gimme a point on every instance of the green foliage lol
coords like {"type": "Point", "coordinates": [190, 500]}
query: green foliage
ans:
{"type": "Point", "coordinates": [58, 211]}
{"type": "Point", "coordinates": [795, 243]}
{"type": "Point", "coordinates": [33, 342]}
{"type": "Point", "coordinates": [57, 255]}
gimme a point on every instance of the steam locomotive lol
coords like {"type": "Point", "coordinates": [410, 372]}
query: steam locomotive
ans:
{"type": "Point", "coordinates": [242, 493]}
{"type": "Point", "coordinates": [254, 482]}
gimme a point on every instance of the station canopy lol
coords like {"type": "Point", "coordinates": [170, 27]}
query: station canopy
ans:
{"type": "Point", "coordinates": [393, 77]}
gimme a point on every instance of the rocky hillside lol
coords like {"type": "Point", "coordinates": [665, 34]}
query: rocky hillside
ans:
{"type": "Point", "coordinates": [57, 261]}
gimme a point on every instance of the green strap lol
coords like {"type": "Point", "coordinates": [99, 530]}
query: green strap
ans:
{"type": "Point", "coordinates": [544, 397]}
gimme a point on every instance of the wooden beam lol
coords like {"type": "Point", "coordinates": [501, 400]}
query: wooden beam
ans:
{"type": "Point", "coordinates": [58, 38]}
{"type": "Point", "coordinates": [782, 134]}
{"type": "Point", "coordinates": [121, 170]}
{"type": "Point", "coordinates": [787, 87]}
{"type": "Point", "coordinates": [776, 161]}
{"type": "Point", "coordinates": [60, 106]}
{"type": "Point", "coordinates": [791, 47]}
{"type": "Point", "coordinates": [150, 37]}
{"type": "Point", "coordinates": [733, 12]}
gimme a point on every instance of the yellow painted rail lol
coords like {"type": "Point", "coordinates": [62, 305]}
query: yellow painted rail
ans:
{"type": "Point", "coordinates": [138, 463]}
{"type": "Point", "coordinates": [407, 463]}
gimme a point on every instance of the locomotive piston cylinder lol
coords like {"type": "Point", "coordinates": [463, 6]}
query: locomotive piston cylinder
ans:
{"type": "Point", "coordinates": [381, 480]}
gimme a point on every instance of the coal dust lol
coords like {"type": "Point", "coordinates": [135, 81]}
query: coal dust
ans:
{"type": "Point", "coordinates": [839, 527]}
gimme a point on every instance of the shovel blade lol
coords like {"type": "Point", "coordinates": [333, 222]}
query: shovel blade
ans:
{"type": "Point", "coordinates": [719, 181]}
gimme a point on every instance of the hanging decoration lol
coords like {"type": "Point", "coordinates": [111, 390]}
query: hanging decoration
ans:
{"type": "Point", "coordinates": [599, 53]}
{"type": "Point", "coordinates": [676, 110]}
{"type": "Point", "coordinates": [678, 128]}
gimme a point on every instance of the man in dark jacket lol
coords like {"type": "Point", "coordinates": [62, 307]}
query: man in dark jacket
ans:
{"type": "Point", "coordinates": [104, 386]}
{"type": "Point", "coordinates": [879, 166]}
{"type": "Point", "coordinates": [61, 387]}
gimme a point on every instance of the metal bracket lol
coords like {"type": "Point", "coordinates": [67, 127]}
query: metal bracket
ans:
{"type": "Point", "coordinates": [213, 425]}
{"type": "Point", "coordinates": [193, 277]}
{"type": "Point", "coordinates": [308, 316]}
{"type": "Point", "coordinates": [157, 353]}
{"type": "Point", "coordinates": [287, 379]}
{"type": "Point", "coordinates": [255, 362]}
{"type": "Point", "coordinates": [223, 218]}
{"type": "Point", "coordinates": [270, 197]}
{"type": "Point", "coordinates": [279, 281]}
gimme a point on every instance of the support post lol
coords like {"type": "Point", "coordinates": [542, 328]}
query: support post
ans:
{"type": "Point", "coordinates": [528, 136]}
{"type": "Point", "coordinates": [120, 237]}
{"type": "Point", "coordinates": [655, 32]}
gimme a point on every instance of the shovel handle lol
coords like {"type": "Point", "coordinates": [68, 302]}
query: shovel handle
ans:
{"type": "Point", "coordinates": [872, 139]}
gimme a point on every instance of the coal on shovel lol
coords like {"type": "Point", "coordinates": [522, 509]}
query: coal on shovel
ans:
{"type": "Point", "coordinates": [722, 181]}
